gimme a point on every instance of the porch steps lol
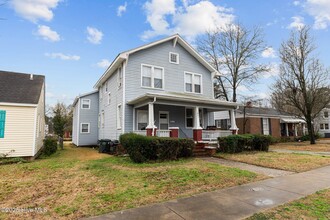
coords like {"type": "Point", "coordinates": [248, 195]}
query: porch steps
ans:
{"type": "Point", "coordinates": [199, 150]}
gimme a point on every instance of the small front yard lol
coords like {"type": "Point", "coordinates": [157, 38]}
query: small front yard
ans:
{"type": "Point", "coordinates": [80, 182]}
{"type": "Point", "coordinates": [320, 146]}
{"type": "Point", "coordinates": [316, 206]}
{"type": "Point", "coordinates": [284, 161]}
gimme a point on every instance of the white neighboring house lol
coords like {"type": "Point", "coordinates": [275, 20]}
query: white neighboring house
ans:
{"type": "Point", "coordinates": [322, 124]}
{"type": "Point", "coordinates": [22, 114]}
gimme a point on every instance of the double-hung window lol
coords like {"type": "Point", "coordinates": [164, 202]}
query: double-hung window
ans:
{"type": "Point", "coordinates": [326, 114]}
{"type": "Point", "coordinates": [152, 77]}
{"type": "Point", "coordinates": [120, 77]}
{"type": "Point", "coordinates": [193, 82]}
{"type": "Point", "coordinates": [265, 126]}
{"type": "Point", "coordinates": [85, 128]}
{"type": "Point", "coordinates": [119, 116]}
{"type": "Point", "coordinates": [85, 103]}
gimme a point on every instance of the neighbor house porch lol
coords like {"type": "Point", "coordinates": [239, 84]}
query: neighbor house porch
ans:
{"type": "Point", "coordinates": [180, 115]}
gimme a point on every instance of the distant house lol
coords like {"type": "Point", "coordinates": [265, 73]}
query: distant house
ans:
{"type": "Point", "coordinates": [267, 121]}
{"type": "Point", "coordinates": [22, 114]}
{"type": "Point", "coordinates": [164, 88]}
{"type": "Point", "coordinates": [85, 119]}
{"type": "Point", "coordinates": [322, 123]}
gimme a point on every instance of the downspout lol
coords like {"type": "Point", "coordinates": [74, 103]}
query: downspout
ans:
{"type": "Point", "coordinates": [153, 127]}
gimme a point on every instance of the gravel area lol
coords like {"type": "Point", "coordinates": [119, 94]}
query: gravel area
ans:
{"type": "Point", "coordinates": [244, 166]}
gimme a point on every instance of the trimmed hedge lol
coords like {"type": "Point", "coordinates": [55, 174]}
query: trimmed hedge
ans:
{"type": "Point", "coordinates": [50, 146]}
{"type": "Point", "coordinates": [308, 138]}
{"type": "Point", "coordinates": [142, 148]}
{"type": "Point", "coordinates": [240, 143]}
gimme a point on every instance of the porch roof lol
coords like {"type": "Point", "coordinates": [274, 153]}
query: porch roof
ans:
{"type": "Point", "coordinates": [184, 98]}
{"type": "Point", "coordinates": [292, 120]}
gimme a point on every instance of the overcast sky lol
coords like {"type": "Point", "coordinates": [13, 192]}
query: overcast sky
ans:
{"type": "Point", "coordinates": [72, 42]}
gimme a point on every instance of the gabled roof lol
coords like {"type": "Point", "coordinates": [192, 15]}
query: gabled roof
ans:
{"type": "Point", "coordinates": [176, 38]}
{"type": "Point", "coordinates": [20, 87]}
{"type": "Point", "coordinates": [83, 95]}
{"type": "Point", "coordinates": [260, 111]}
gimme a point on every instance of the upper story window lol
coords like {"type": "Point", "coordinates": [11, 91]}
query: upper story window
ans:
{"type": "Point", "coordinates": [152, 76]}
{"type": "Point", "coordinates": [109, 98]}
{"type": "Point", "coordinates": [193, 82]}
{"type": "Point", "coordinates": [174, 58]}
{"type": "Point", "coordinates": [326, 114]}
{"type": "Point", "coordinates": [85, 103]}
{"type": "Point", "coordinates": [106, 87]}
{"type": "Point", "coordinates": [120, 77]}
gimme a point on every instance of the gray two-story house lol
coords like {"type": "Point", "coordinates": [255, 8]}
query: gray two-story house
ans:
{"type": "Point", "coordinates": [164, 88]}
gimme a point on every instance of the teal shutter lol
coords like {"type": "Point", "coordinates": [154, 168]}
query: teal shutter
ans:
{"type": "Point", "coordinates": [2, 123]}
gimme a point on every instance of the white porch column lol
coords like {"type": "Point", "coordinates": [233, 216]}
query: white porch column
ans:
{"type": "Point", "coordinates": [303, 129]}
{"type": "Point", "coordinates": [196, 118]}
{"type": "Point", "coordinates": [287, 129]}
{"type": "Point", "coordinates": [233, 126]}
{"type": "Point", "coordinates": [151, 117]}
{"type": "Point", "coordinates": [295, 130]}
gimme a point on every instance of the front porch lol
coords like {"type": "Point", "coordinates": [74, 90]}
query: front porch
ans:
{"type": "Point", "coordinates": [169, 116]}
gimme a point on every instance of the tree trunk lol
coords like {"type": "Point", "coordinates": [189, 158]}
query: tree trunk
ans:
{"type": "Point", "coordinates": [60, 142]}
{"type": "Point", "coordinates": [311, 131]}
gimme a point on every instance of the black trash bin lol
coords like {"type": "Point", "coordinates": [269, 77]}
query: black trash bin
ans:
{"type": "Point", "coordinates": [104, 145]}
{"type": "Point", "coordinates": [113, 146]}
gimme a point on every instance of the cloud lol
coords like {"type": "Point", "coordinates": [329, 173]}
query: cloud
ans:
{"type": "Point", "coordinates": [62, 56]}
{"type": "Point", "coordinates": [269, 52]}
{"type": "Point", "coordinates": [48, 34]}
{"type": "Point", "coordinates": [190, 19]}
{"type": "Point", "coordinates": [34, 10]}
{"type": "Point", "coordinates": [320, 10]}
{"type": "Point", "coordinates": [94, 35]}
{"type": "Point", "coordinates": [104, 63]}
{"type": "Point", "coordinates": [121, 9]}
{"type": "Point", "coordinates": [297, 23]}
{"type": "Point", "coordinates": [296, 3]}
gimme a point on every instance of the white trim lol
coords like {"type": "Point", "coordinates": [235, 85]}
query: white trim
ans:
{"type": "Point", "coordinates": [152, 76]}
{"type": "Point", "coordinates": [109, 98]}
{"type": "Point", "coordinates": [89, 128]}
{"type": "Point", "coordinates": [34, 132]}
{"type": "Point", "coordinates": [78, 121]}
{"type": "Point", "coordinates": [124, 93]}
{"type": "Point", "coordinates": [82, 103]}
{"type": "Point", "coordinates": [134, 112]}
{"type": "Point", "coordinates": [177, 58]}
{"type": "Point", "coordinates": [168, 118]}
{"type": "Point", "coordinates": [18, 104]}
{"type": "Point", "coordinates": [192, 82]}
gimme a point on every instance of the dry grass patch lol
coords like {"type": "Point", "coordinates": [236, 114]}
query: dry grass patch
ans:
{"type": "Point", "coordinates": [80, 182]}
{"type": "Point", "coordinates": [284, 161]}
{"type": "Point", "coordinates": [320, 146]}
{"type": "Point", "coordinates": [316, 206]}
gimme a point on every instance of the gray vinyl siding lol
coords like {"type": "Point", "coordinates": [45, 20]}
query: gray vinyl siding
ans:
{"type": "Point", "coordinates": [110, 131]}
{"type": "Point", "coordinates": [89, 116]}
{"type": "Point", "coordinates": [75, 129]}
{"type": "Point", "coordinates": [173, 74]}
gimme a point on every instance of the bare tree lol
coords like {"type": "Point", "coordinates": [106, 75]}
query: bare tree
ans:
{"type": "Point", "coordinates": [302, 88]}
{"type": "Point", "coordinates": [233, 51]}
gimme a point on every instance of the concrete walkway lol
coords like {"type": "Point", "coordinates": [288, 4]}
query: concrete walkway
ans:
{"type": "Point", "coordinates": [244, 166]}
{"type": "Point", "coordinates": [233, 203]}
{"type": "Point", "coordinates": [301, 152]}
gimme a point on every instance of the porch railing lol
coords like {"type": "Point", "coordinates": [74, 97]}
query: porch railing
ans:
{"type": "Point", "coordinates": [163, 133]}
{"type": "Point", "coordinates": [140, 132]}
{"type": "Point", "coordinates": [212, 135]}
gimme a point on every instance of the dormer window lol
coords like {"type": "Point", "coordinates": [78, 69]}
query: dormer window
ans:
{"type": "Point", "coordinates": [174, 58]}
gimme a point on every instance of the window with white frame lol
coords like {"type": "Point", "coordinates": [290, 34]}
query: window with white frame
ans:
{"type": "Point", "coordinates": [85, 128]}
{"type": "Point", "coordinates": [193, 82]}
{"type": "Point", "coordinates": [119, 116]}
{"type": "Point", "coordinates": [142, 119]}
{"type": "Point", "coordinates": [174, 58]}
{"type": "Point", "coordinates": [324, 126]}
{"type": "Point", "coordinates": [152, 76]}
{"type": "Point", "coordinates": [102, 119]}
{"type": "Point", "coordinates": [85, 103]}
{"type": "Point", "coordinates": [265, 126]}
{"type": "Point", "coordinates": [109, 98]}
{"type": "Point", "coordinates": [223, 123]}
{"type": "Point", "coordinates": [326, 114]}
{"type": "Point", "coordinates": [120, 77]}
{"type": "Point", "coordinates": [99, 121]}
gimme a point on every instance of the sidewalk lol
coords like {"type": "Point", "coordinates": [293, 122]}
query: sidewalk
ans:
{"type": "Point", "coordinates": [233, 203]}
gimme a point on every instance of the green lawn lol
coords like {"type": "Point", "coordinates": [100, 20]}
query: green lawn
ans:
{"type": "Point", "coordinates": [79, 182]}
{"type": "Point", "coordinates": [316, 206]}
{"type": "Point", "coordinates": [284, 161]}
